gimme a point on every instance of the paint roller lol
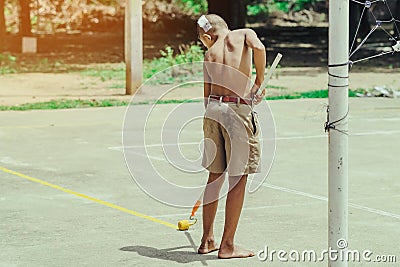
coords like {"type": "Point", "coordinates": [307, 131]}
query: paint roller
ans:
{"type": "Point", "coordinates": [184, 225]}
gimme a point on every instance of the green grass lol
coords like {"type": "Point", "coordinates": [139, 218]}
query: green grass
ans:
{"type": "Point", "coordinates": [107, 73]}
{"type": "Point", "coordinates": [67, 104]}
{"type": "Point", "coordinates": [175, 101]}
{"type": "Point", "coordinates": [309, 94]}
{"type": "Point", "coordinates": [117, 86]}
{"type": "Point", "coordinates": [10, 64]}
{"type": "Point", "coordinates": [161, 65]}
{"type": "Point", "coordinates": [276, 87]}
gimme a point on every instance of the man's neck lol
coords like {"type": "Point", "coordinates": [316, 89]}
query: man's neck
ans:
{"type": "Point", "coordinates": [221, 33]}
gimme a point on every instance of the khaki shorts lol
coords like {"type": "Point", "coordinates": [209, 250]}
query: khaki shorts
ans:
{"type": "Point", "coordinates": [231, 133]}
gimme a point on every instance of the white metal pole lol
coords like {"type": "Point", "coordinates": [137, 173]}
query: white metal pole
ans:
{"type": "Point", "coordinates": [133, 45]}
{"type": "Point", "coordinates": [338, 127]}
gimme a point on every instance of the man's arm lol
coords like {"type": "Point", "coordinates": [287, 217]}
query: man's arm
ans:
{"type": "Point", "coordinates": [259, 55]}
{"type": "Point", "coordinates": [207, 84]}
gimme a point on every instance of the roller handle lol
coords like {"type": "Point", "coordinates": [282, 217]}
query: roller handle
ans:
{"type": "Point", "coordinates": [269, 74]}
{"type": "Point", "coordinates": [195, 208]}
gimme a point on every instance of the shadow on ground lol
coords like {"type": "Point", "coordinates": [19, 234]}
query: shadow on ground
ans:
{"type": "Point", "coordinates": [170, 254]}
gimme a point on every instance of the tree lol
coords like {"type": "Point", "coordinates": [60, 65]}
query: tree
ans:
{"type": "Point", "coordinates": [25, 18]}
{"type": "Point", "coordinates": [2, 25]}
{"type": "Point", "coordinates": [233, 12]}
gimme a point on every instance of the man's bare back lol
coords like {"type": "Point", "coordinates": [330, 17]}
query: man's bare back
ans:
{"type": "Point", "coordinates": [228, 63]}
{"type": "Point", "coordinates": [231, 76]}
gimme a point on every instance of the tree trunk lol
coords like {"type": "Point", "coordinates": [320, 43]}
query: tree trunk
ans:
{"type": "Point", "coordinates": [25, 18]}
{"type": "Point", "coordinates": [233, 12]}
{"type": "Point", "coordinates": [2, 26]}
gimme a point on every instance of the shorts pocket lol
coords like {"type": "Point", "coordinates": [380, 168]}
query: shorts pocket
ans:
{"type": "Point", "coordinates": [254, 123]}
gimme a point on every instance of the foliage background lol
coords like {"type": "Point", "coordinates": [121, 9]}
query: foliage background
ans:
{"type": "Point", "coordinates": [51, 16]}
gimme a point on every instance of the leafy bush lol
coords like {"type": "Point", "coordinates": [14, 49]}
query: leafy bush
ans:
{"type": "Point", "coordinates": [257, 8]}
{"type": "Point", "coordinates": [8, 64]}
{"type": "Point", "coordinates": [302, 4]}
{"type": "Point", "coordinates": [196, 7]}
{"type": "Point", "coordinates": [187, 54]}
{"type": "Point", "coordinates": [168, 59]}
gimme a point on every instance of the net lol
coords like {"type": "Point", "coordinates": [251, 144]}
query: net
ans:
{"type": "Point", "coordinates": [383, 20]}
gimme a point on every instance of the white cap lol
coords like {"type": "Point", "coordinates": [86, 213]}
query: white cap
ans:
{"type": "Point", "coordinates": [204, 23]}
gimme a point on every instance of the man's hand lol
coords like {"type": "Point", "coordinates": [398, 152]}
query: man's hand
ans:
{"type": "Point", "coordinates": [257, 98]}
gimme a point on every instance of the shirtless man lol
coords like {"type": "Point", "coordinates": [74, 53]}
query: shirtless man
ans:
{"type": "Point", "coordinates": [230, 124]}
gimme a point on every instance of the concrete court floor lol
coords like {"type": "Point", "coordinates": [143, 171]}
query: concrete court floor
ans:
{"type": "Point", "coordinates": [78, 150]}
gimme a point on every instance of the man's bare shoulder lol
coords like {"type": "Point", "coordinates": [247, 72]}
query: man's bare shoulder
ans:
{"type": "Point", "coordinates": [242, 32]}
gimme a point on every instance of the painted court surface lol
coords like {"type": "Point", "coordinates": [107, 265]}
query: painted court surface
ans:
{"type": "Point", "coordinates": [67, 198]}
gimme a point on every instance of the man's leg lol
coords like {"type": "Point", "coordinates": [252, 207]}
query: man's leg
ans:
{"type": "Point", "coordinates": [233, 208]}
{"type": "Point", "coordinates": [210, 200]}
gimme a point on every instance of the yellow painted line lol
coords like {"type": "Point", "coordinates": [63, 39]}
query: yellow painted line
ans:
{"type": "Point", "coordinates": [99, 201]}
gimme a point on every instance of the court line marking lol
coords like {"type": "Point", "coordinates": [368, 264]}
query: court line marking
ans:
{"type": "Point", "coordinates": [146, 156]}
{"type": "Point", "coordinates": [356, 206]}
{"type": "Point", "coordinates": [300, 193]}
{"type": "Point", "coordinates": [96, 200]}
{"type": "Point", "coordinates": [170, 225]}
{"type": "Point", "coordinates": [287, 190]}
{"type": "Point", "coordinates": [244, 209]}
{"type": "Point", "coordinates": [119, 148]}
{"type": "Point", "coordinates": [296, 192]}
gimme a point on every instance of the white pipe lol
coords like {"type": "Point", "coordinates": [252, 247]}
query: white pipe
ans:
{"type": "Point", "coordinates": [338, 140]}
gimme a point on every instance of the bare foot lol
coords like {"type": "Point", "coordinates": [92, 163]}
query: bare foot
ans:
{"type": "Point", "coordinates": [234, 252]}
{"type": "Point", "coordinates": [207, 247]}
